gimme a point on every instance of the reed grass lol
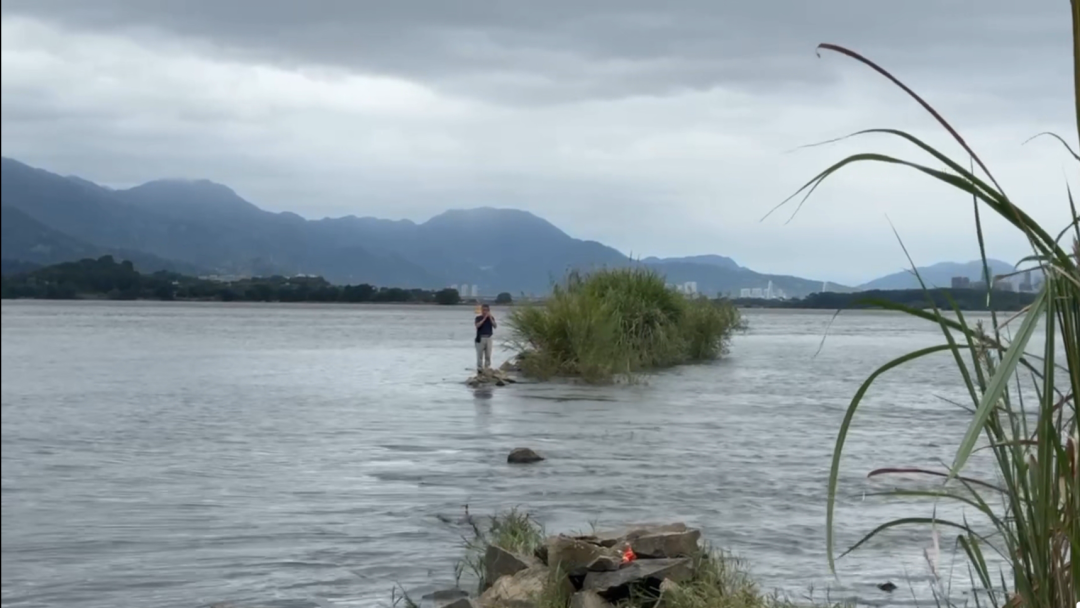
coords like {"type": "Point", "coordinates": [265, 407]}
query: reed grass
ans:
{"type": "Point", "coordinates": [513, 530]}
{"type": "Point", "coordinates": [1033, 504]}
{"type": "Point", "coordinates": [621, 321]}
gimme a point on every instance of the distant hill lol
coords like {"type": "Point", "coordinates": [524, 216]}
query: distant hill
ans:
{"type": "Point", "coordinates": [205, 225]}
{"type": "Point", "coordinates": [13, 267]}
{"type": "Point", "coordinates": [706, 260]}
{"type": "Point", "coordinates": [938, 275]}
{"type": "Point", "coordinates": [27, 241]}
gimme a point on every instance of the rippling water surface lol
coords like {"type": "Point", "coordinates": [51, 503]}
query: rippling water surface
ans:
{"type": "Point", "coordinates": [160, 455]}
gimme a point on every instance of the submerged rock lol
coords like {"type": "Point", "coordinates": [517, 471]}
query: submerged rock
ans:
{"type": "Point", "coordinates": [523, 456]}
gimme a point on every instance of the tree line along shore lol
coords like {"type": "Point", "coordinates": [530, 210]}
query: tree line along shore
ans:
{"type": "Point", "coordinates": [106, 278]}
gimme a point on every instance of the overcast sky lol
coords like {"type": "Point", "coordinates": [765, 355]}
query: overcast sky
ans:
{"type": "Point", "coordinates": [658, 128]}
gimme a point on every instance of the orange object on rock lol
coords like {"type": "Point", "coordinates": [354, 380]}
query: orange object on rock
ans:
{"type": "Point", "coordinates": [628, 554]}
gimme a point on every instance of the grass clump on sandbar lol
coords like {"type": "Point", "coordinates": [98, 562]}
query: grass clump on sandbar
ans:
{"type": "Point", "coordinates": [597, 326]}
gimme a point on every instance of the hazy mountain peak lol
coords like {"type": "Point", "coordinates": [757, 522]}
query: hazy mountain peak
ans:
{"type": "Point", "coordinates": [508, 222]}
{"type": "Point", "coordinates": [705, 260]}
{"type": "Point", "coordinates": [938, 275]}
{"type": "Point", "coordinates": [178, 195]}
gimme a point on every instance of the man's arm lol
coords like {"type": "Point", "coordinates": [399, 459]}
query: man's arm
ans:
{"type": "Point", "coordinates": [493, 323]}
{"type": "Point", "coordinates": [480, 321]}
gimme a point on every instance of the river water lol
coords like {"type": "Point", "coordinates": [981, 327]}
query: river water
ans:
{"type": "Point", "coordinates": [161, 455]}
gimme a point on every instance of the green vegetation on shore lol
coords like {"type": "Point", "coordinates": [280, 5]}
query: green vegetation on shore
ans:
{"type": "Point", "coordinates": [964, 299]}
{"type": "Point", "coordinates": [718, 579]}
{"type": "Point", "coordinates": [613, 322]}
{"type": "Point", "coordinates": [1023, 405]}
{"type": "Point", "coordinates": [105, 278]}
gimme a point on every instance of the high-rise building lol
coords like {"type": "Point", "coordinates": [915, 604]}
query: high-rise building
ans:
{"type": "Point", "coordinates": [1026, 284]}
{"type": "Point", "coordinates": [744, 292]}
{"type": "Point", "coordinates": [961, 283]}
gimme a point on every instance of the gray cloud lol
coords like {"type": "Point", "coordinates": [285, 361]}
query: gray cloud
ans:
{"type": "Point", "coordinates": [567, 50]}
{"type": "Point", "coordinates": [657, 130]}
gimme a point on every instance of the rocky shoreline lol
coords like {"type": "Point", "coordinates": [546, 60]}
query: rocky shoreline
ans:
{"type": "Point", "coordinates": [643, 565]}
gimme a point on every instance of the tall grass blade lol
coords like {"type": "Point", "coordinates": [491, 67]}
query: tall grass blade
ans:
{"type": "Point", "coordinates": [999, 381]}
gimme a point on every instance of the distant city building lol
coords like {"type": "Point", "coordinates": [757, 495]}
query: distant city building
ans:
{"type": "Point", "coordinates": [769, 292]}
{"type": "Point", "coordinates": [688, 288]}
{"type": "Point", "coordinates": [1001, 283]}
{"type": "Point", "coordinates": [961, 283]}
{"type": "Point", "coordinates": [1026, 284]}
{"type": "Point", "coordinates": [466, 290]}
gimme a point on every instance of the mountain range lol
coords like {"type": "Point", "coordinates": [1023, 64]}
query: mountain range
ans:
{"type": "Point", "coordinates": [940, 275]}
{"type": "Point", "coordinates": [200, 227]}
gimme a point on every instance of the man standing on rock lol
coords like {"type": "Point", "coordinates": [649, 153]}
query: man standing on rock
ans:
{"type": "Point", "coordinates": [485, 327]}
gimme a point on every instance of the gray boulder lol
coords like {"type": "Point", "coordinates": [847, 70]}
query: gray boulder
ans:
{"type": "Point", "coordinates": [629, 533]}
{"type": "Point", "coordinates": [575, 557]}
{"type": "Point", "coordinates": [667, 544]}
{"type": "Point", "coordinates": [499, 562]}
{"type": "Point", "coordinates": [522, 589]}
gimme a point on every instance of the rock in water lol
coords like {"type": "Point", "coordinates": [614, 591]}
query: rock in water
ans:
{"type": "Point", "coordinates": [523, 456]}
{"type": "Point", "coordinates": [489, 377]}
